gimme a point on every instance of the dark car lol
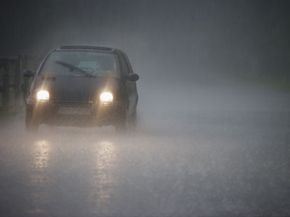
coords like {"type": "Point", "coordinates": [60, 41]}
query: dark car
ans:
{"type": "Point", "coordinates": [84, 86]}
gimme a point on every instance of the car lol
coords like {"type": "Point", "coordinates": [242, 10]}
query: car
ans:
{"type": "Point", "coordinates": [82, 86]}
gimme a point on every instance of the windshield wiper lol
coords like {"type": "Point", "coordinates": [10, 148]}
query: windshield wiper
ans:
{"type": "Point", "coordinates": [74, 68]}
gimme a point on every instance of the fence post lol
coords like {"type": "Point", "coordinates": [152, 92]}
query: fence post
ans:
{"type": "Point", "coordinates": [5, 89]}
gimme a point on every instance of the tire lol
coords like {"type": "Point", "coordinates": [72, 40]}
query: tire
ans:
{"type": "Point", "coordinates": [31, 123]}
{"type": "Point", "coordinates": [121, 123]}
{"type": "Point", "coordinates": [120, 126]}
{"type": "Point", "coordinates": [133, 122]}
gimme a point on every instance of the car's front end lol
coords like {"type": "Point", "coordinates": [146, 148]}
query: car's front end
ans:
{"type": "Point", "coordinates": [77, 88]}
{"type": "Point", "coordinates": [103, 107]}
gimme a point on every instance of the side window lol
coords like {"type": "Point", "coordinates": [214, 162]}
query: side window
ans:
{"type": "Point", "coordinates": [124, 65]}
{"type": "Point", "coordinates": [128, 65]}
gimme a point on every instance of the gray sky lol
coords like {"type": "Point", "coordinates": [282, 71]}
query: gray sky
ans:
{"type": "Point", "coordinates": [191, 37]}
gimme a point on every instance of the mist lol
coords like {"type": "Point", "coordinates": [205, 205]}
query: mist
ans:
{"type": "Point", "coordinates": [183, 39]}
{"type": "Point", "coordinates": [213, 111]}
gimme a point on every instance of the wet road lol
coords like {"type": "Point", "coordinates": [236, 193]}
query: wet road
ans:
{"type": "Point", "coordinates": [211, 151]}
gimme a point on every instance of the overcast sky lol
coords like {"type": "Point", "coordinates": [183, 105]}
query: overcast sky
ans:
{"type": "Point", "coordinates": [203, 36]}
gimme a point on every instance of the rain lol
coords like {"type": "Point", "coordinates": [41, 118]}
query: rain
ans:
{"type": "Point", "coordinates": [213, 114]}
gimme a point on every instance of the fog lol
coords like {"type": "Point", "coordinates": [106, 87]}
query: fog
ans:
{"type": "Point", "coordinates": [177, 39]}
{"type": "Point", "coordinates": [213, 112]}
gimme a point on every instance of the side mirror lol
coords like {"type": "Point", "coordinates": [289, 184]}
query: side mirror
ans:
{"type": "Point", "coordinates": [28, 74]}
{"type": "Point", "coordinates": [133, 77]}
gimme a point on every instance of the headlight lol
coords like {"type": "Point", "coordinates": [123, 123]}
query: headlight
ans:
{"type": "Point", "coordinates": [42, 95]}
{"type": "Point", "coordinates": [106, 97]}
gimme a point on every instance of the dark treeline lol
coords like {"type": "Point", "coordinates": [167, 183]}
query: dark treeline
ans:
{"type": "Point", "coordinates": [248, 38]}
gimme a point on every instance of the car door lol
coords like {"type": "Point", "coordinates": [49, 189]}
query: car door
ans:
{"type": "Point", "coordinates": [130, 86]}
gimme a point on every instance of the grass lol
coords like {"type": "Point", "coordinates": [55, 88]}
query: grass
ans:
{"type": "Point", "coordinates": [280, 84]}
{"type": "Point", "coordinates": [7, 112]}
{"type": "Point", "coordinates": [277, 83]}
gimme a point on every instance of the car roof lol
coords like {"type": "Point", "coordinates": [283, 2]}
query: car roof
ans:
{"type": "Point", "coordinates": [87, 47]}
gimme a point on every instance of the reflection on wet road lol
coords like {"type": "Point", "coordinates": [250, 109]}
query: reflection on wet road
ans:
{"type": "Point", "coordinates": [227, 162]}
{"type": "Point", "coordinates": [104, 179]}
{"type": "Point", "coordinates": [39, 179]}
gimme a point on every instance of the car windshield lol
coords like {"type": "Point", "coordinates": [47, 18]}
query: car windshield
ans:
{"type": "Point", "coordinates": [80, 63]}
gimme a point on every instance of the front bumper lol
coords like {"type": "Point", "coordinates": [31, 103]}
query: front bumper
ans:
{"type": "Point", "coordinates": [75, 113]}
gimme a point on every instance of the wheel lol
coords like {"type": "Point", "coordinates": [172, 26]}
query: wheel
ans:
{"type": "Point", "coordinates": [121, 122]}
{"type": "Point", "coordinates": [31, 122]}
{"type": "Point", "coordinates": [120, 126]}
{"type": "Point", "coordinates": [133, 121]}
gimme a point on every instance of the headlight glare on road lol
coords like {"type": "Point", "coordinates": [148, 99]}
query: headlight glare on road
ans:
{"type": "Point", "coordinates": [42, 95]}
{"type": "Point", "coordinates": [106, 97]}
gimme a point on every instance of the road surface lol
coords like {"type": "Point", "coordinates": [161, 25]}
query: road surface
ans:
{"type": "Point", "coordinates": [200, 150]}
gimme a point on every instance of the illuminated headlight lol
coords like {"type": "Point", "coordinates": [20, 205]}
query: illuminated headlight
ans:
{"type": "Point", "coordinates": [42, 95]}
{"type": "Point", "coordinates": [106, 97]}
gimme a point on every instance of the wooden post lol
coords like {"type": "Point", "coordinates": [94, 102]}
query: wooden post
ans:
{"type": "Point", "coordinates": [5, 89]}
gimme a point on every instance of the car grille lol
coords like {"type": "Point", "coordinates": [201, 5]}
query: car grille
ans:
{"type": "Point", "coordinates": [72, 108]}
